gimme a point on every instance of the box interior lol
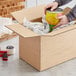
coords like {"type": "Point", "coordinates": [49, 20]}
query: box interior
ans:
{"type": "Point", "coordinates": [33, 14]}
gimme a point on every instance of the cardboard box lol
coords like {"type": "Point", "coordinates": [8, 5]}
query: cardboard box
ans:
{"type": "Point", "coordinates": [10, 2]}
{"type": "Point", "coordinates": [46, 51]}
{"type": "Point", "coordinates": [7, 6]}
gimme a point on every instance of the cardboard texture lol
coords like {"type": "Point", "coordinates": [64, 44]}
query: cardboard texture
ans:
{"type": "Point", "coordinates": [5, 37]}
{"type": "Point", "coordinates": [8, 6]}
{"type": "Point", "coordinates": [45, 51]}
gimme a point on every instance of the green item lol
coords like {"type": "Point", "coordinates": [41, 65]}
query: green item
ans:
{"type": "Point", "coordinates": [51, 27]}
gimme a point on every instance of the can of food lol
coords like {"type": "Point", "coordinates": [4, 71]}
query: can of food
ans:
{"type": "Point", "coordinates": [52, 17]}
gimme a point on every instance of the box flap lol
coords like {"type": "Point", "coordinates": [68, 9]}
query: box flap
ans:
{"type": "Point", "coordinates": [62, 30]}
{"type": "Point", "coordinates": [21, 30]}
{"type": "Point", "coordinates": [29, 13]}
{"type": "Point", "coordinates": [25, 32]}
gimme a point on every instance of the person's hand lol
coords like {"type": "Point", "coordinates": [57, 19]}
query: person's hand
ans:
{"type": "Point", "coordinates": [63, 20]}
{"type": "Point", "coordinates": [52, 6]}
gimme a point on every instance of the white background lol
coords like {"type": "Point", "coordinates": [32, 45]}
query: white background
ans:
{"type": "Point", "coordinates": [31, 3]}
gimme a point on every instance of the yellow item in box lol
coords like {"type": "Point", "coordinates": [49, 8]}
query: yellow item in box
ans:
{"type": "Point", "coordinates": [52, 17]}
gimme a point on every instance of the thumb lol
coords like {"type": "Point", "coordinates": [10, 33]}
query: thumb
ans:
{"type": "Point", "coordinates": [59, 24]}
{"type": "Point", "coordinates": [53, 8]}
{"type": "Point", "coordinates": [60, 17]}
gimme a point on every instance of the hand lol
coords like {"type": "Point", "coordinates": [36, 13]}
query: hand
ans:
{"type": "Point", "coordinates": [53, 6]}
{"type": "Point", "coordinates": [63, 20]}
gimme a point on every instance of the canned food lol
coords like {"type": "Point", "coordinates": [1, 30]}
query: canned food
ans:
{"type": "Point", "coordinates": [52, 17]}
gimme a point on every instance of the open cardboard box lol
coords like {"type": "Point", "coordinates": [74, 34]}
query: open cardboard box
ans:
{"type": "Point", "coordinates": [44, 51]}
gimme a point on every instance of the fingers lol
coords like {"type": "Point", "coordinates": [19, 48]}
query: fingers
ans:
{"type": "Point", "coordinates": [53, 8]}
{"type": "Point", "coordinates": [60, 17]}
{"type": "Point", "coordinates": [63, 20]}
{"type": "Point", "coordinates": [59, 24]}
{"type": "Point", "coordinates": [48, 6]}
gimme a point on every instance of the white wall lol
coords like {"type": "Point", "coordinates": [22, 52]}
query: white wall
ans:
{"type": "Point", "coordinates": [31, 3]}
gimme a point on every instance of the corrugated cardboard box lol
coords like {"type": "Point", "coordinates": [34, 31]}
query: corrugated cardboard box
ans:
{"type": "Point", "coordinates": [45, 51]}
{"type": "Point", "coordinates": [8, 6]}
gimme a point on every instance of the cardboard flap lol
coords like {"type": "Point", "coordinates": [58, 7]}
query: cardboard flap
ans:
{"type": "Point", "coordinates": [21, 30]}
{"type": "Point", "coordinates": [62, 30]}
{"type": "Point", "coordinates": [29, 13]}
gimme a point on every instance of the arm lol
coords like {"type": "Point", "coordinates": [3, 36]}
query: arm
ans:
{"type": "Point", "coordinates": [62, 2]}
{"type": "Point", "coordinates": [67, 18]}
{"type": "Point", "coordinates": [72, 14]}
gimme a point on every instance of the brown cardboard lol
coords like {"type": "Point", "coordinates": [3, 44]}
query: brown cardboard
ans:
{"type": "Point", "coordinates": [21, 30]}
{"type": "Point", "coordinates": [8, 6]}
{"type": "Point", "coordinates": [10, 2]}
{"type": "Point", "coordinates": [45, 51]}
{"type": "Point", "coordinates": [32, 54]}
{"type": "Point", "coordinates": [29, 14]}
